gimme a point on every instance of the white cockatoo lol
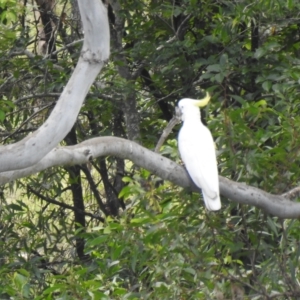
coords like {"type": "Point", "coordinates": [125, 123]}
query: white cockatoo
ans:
{"type": "Point", "coordinates": [197, 150]}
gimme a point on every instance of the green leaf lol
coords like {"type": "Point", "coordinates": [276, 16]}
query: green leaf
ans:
{"type": "Point", "coordinates": [15, 207]}
{"type": "Point", "coordinates": [260, 52]}
{"type": "Point", "coordinates": [98, 240]}
{"type": "Point", "coordinates": [224, 60]}
{"type": "Point", "coordinates": [2, 115]}
{"type": "Point", "coordinates": [267, 85]}
{"type": "Point", "coordinates": [219, 77]}
{"type": "Point", "coordinates": [214, 68]}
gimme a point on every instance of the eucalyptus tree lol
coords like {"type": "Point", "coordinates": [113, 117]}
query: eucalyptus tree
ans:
{"type": "Point", "coordinates": [70, 133]}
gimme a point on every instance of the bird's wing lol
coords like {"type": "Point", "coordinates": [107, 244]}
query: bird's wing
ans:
{"type": "Point", "coordinates": [197, 150]}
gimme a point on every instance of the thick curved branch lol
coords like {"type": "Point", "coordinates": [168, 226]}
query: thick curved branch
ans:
{"type": "Point", "coordinates": [94, 53]}
{"type": "Point", "coordinates": [159, 165]}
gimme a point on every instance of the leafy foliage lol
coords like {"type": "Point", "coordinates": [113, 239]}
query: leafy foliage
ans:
{"type": "Point", "coordinates": [164, 245]}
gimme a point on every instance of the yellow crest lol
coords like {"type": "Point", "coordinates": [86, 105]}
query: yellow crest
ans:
{"type": "Point", "coordinates": [203, 102]}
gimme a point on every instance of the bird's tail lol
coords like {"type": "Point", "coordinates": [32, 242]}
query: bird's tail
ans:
{"type": "Point", "coordinates": [212, 204]}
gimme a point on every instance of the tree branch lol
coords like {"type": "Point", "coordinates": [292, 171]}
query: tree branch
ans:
{"type": "Point", "coordinates": [29, 97]}
{"type": "Point", "coordinates": [27, 121]}
{"type": "Point", "coordinates": [94, 53]}
{"type": "Point", "coordinates": [161, 166]}
{"type": "Point", "coordinates": [174, 121]}
{"type": "Point", "coordinates": [64, 205]}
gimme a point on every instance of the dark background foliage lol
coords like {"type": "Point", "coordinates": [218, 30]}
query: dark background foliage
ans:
{"type": "Point", "coordinates": [110, 230]}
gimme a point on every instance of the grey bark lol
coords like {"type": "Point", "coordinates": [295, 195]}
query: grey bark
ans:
{"type": "Point", "coordinates": [94, 53]}
{"type": "Point", "coordinates": [161, 166]}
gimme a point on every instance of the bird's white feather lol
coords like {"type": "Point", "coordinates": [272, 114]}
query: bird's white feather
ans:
{"type": "Point", "coordinates": [197, 150]}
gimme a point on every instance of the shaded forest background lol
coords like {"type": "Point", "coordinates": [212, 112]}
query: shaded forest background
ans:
{"type": "Point", "coordinates": [111, 230]}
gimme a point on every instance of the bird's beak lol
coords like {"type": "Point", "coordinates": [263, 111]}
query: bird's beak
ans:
{"type": "Point", "coordinates": [203, 102]}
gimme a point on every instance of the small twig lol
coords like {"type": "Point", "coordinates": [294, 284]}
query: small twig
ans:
{"type": "Point", "coordinates": [182, 23]}
{"type": "Point", "coordinates": [292, 194]}
{"type": "Point", "coordinates": [31, 56]}
{"type": "Point", "coordinates": [165, 97]}
{"type": "Point", "coordinates": [28, 120]}
{"type": "Point", "coordinates": [64, 205]}
{"type": "Point", "coordinates": [94, 189]}
{"type": "Point", "coordinates": [6, 133]}
{"type": "Point", "coordinates": [175, 120]}
{"type": "Point", "coordinates": [6, 81]}
{"type": "Point", "coordinates": [44, 95]}
{"type": "Point", "coordinates": [64, 48]}
{"type": "Point", "coordinates": [172, 39]}
{"type": "Point", "coordinates": [286, 294]}
{"type": "Point", "coordinates": [20, 52]}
